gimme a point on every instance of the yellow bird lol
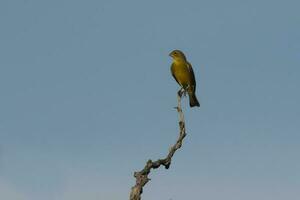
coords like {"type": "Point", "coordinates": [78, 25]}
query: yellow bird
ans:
{"type": "Point", "coordinates": [183, 73]}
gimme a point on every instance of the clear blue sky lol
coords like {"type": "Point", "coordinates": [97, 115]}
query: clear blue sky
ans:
{"type": "Point", "coordinates": [87, 97]}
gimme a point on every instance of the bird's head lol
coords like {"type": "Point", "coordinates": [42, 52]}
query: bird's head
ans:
{"type": "Point", "coordinates": [177, 55]}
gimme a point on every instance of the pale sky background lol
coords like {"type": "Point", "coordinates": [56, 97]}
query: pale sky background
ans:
{"type": "Point", "coordinates": [87, 97]}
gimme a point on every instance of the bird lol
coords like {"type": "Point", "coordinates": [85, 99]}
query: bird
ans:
{"type": "Point", "coordinates": [183, 73]}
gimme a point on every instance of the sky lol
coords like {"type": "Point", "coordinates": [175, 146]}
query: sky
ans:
{"type": "Point", "coordinates": [87, 98]}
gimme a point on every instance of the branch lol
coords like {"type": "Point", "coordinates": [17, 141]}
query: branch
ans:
{"type": "Point", "coordinates": [142, 176]}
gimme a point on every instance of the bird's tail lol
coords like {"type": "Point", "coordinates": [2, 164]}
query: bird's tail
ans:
{"type": "Point", "coordinates": [193, 100]}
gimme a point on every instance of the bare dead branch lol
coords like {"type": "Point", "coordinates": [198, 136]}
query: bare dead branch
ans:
{"type": "Point", "coordinates": [142, 176]}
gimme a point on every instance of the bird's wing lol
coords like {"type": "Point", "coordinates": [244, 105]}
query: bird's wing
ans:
{"type": "Point", "coordinates": [193, 80]}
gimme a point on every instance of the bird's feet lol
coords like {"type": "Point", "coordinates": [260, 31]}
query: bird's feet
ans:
{"type": "Point", "coordinates": [182, 92]}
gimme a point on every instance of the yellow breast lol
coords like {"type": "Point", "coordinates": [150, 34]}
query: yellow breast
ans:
{"type": "Point", "coordinates": [181, 73]}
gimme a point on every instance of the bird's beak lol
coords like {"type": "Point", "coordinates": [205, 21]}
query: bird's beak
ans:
{"type": "Point", "coordinates": [170, 54]}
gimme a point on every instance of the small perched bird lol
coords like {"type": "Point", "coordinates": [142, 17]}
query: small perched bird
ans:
{"type": "Point", "coordinates": [183, 73]}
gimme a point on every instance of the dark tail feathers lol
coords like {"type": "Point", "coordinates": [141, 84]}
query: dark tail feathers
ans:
{"type": "Point", "coordinates": [193, 100]}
